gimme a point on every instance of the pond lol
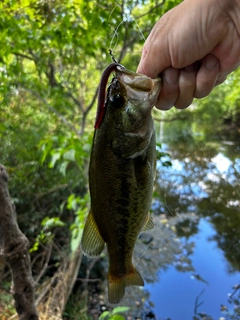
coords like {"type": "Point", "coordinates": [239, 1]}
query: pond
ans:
{"type": "Point", "coordinates": [191, 260]}
{"type": "Point", "coordinates": [204, 180]}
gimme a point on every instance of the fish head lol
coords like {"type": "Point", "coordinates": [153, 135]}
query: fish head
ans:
{"type": "Point", "coordinates": [131, 97]}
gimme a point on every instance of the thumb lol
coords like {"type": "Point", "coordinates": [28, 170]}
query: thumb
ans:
{"type": "Point", "coordinates": [150, 65]}
{"type": "Point", "coordinates": [155, 57]}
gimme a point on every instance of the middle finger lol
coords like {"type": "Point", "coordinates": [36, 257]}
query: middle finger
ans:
{"type": "Point", "coordinates": [187, 83]}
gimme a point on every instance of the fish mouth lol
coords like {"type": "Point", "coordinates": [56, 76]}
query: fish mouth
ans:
{"type": "Point", "coordinates": [139, 86]}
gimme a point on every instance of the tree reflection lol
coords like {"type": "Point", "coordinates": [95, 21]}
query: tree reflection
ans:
{"type": "Point", "coordinates": [198, 182]}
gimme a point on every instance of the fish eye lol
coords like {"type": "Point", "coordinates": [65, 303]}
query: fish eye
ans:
{"type": "Point", "coordinates": [117, 100]}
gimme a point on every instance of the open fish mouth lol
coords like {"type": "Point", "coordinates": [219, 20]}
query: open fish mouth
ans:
{"type": "Point", "coordinates": [139, 86]}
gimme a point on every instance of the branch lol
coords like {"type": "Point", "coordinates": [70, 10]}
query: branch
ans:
{"type": "Point", "coordinates": [198, 304]}
{"type": "Point", "coordinates": [23, 56]}
{"type": "Point", "coordinates": [75, 100]}
{"type": "Point", "coordinates": [52, 109]}
{"type": "Point", "coordinates": [92, 102]}
{"type": "Point", "coordinates": [51, 75]}
{"type": "Point", "coordinates": [150, 10]}
{"type": "Point", "coordinates": [44, 268]}
{"type": "Point", "coordinates": [14, 248]}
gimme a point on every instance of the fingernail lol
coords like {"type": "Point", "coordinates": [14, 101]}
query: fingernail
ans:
{"type": "Point", "coordinates": [211, 62]}
{"type": "Point", "coordinates": [171, 75]}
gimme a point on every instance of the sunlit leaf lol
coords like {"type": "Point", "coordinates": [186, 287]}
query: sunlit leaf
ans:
{"type": "Point", "coordinates": [56, 156]}
{"type": "Point", "coordinates": [117, 317]}
{"type": "Point", "coordinates": [120, 309]}
{"type": "Point", "coordinates": [63, 167]}
{"type": "Point", "coordinates": [70, 155]}
{"type": "Point", "coordinates": [104, 315]}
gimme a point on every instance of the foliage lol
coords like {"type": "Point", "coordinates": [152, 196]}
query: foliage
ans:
{"type": "Point", "coordinates": [234, 300]}
{"type": "Point", "coordinates": [162, 156]}
{"type": "Point", "coordinates": [76, 308]}
{"type": "Point", "coordinates": [221, 107]}
{"type": "Point", "coordinates": [46, 236]}
{"type": "Point", "coordinates": [80, 207]}
{"type": "Point", "coordinates": [114, 314]}
{"type": "Point", "coordinates": [52, 54]}
{"type": "Point", "coordinates": [7, 308]}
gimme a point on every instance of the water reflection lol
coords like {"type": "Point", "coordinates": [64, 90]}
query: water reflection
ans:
{"type": "Point", "coordinates": [209, 186]}
{"type": "Point", "coordinates": [204, 179]}
{"type": "Point", "coordinates": [189, 295]}
{"type": "Point", "coordinates": [191, 261]}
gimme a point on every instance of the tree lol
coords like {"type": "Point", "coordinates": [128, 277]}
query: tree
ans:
{"type": "Point", "coordinates": [51, 56]}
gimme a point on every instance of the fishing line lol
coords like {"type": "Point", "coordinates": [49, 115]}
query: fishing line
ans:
{"type": "Point", "coordinates": [115, 33]}
{"type": "Point", "coordinates": [140, 257]}
{"type": "Point", "coordinates": [139, 30]}
{"type": "Point", "coordinates": [128, 17]}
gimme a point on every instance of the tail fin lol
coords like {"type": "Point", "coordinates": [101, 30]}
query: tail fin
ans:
{"type": "Point", "coordinates": [116, 286]}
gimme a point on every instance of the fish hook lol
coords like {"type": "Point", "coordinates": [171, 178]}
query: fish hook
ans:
{"type": "Point", "coordinates": [112, 56]}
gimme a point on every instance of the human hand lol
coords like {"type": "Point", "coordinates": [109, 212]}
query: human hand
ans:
{"type": "Point", "coordinates": [195, 46]}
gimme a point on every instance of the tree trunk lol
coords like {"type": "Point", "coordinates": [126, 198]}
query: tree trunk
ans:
{"type": "Point", "coordinates": [14, 249]}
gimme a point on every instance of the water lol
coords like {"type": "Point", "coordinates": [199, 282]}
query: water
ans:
{"type": "Point", "coordinates": [204, 179]}
{"type": "Point", "coordinates": [177, 294]}
{"type": "Point", "coordinates": [190, 262]}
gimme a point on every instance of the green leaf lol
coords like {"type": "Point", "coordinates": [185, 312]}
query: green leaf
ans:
{"type": "Point", "coordinates": [76, 239]}
{"type": "Point", "coordinates": [63, 168]}
{"type": "Point", "coordinates": [117, 317]}
{"type": "Point", "coordinates": [56, 156]}
{"type": "Point", "coordinates": [52, 222]}
{"type": "Point", "coordinates": [120, 309]}
{"type": "Point", "coordinates": [159, 145]}
{"type": "Point", "coordinates": [70, 155]}
{"type": "Point", "coordinates": [104, 315]}
{"type": "Point", "coordinates": [167, 163]}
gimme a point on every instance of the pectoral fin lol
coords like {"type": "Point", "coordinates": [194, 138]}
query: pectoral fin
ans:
{"type": "Point", "coordinates": [92, 243]}
{"type": "Point", "coordinates": [149, 224]}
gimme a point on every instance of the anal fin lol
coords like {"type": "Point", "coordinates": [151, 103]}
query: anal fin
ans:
{"type": "Point", "coordinates": [92, 243]}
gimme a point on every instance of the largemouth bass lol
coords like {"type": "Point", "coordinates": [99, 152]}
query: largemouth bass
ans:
{"type": "Point", "coordinates": [121, 174]}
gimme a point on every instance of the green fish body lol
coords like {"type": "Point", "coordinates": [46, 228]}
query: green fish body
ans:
{"type": "Point", "coordinates": [121, 175]}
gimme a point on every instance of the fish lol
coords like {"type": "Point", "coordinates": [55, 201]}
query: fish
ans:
{"type": "Point", "coordinates": [121, 174]}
